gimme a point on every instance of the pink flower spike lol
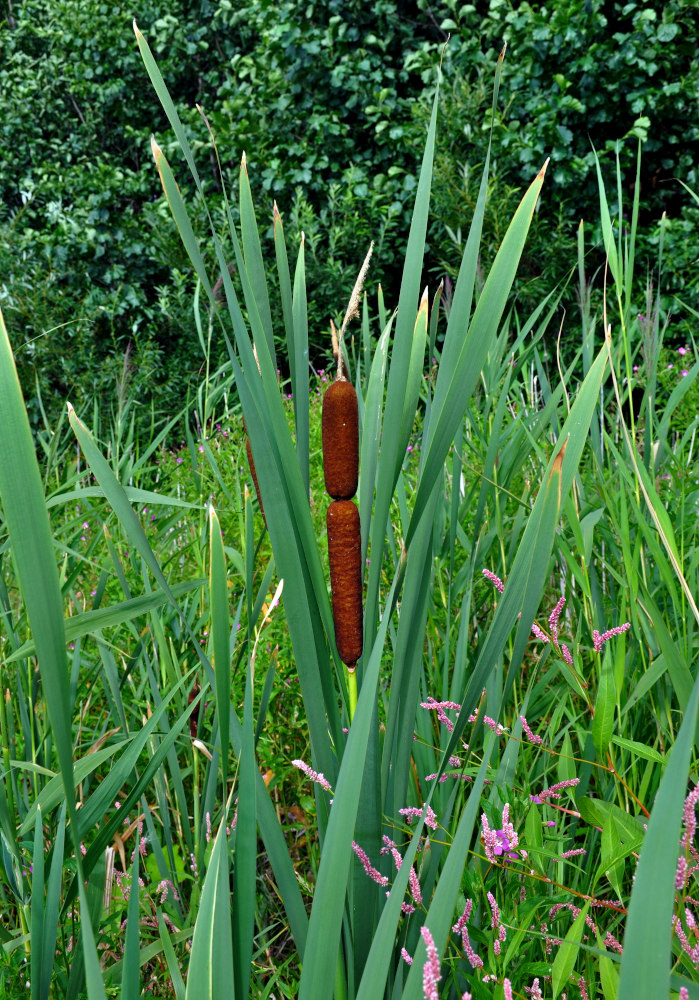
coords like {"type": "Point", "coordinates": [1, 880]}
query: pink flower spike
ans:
{"type": "Point", "coordinates": [313, 775]}
{"type": "Point", "coordinates": [573, 854]}
{"type": "Point", "coordinates": [495, 580]}
{"type": "Point", "coordinates": [430, 970]}
{"type": "Point", "coordinates": [554, 791]}
{"type": "Point", "coordinates": [405, 956]}
{"type": "Point", "coordinates": [528, 733]}
{"type": "Point", "coordinates": [599, 640]}
{"type": "Point", "coordinates": [553, 618]}
{"type": "Point", "coordinates": [539, 634]}
{"type": "Point", "coordinates": [507, 989]}
{"type": "Point", "coordinates": [373, 874]}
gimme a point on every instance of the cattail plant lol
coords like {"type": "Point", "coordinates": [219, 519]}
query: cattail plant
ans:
{"type": "Point", "coordinates": [340, 429]}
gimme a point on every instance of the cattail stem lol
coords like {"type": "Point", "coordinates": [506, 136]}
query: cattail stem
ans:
{"type": "Point", "coordinates": [352, 690]}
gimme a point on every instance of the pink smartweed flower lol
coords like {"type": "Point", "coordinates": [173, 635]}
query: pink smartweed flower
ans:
{"type": "Point", "coordinates": [507, 989]}
{"type": "Point", "coordinates": [495, 580]}
{"type": "Point", "coordinates": [539, 633]}
{"type": "Point", "coordinates": [553, 619]}
{"type": "Point", "coordinates": [313, 775]}
{"type": "Point", "coordinates": [682, 350]}
{"type": "Point", "coordinates": [439, 707]}
{"type": "Point", "coordinates": [684, 995]}
{"type": "Point", "coordinates": [582, 986]}
{"type": "Point", "coordinates": [490, 723]}
{"type": "Point", "coordinates": [498, 927]}
{"type": "Point", "coordinates": [460, 927]}
{"type": "Point", "coordinates": [599, 640]}
{"type": "Point", "coordinates": [411, 813]}
{"type": "Point", "coordinates": [430, 970]}
{"type": "Point", "coordinates": [573, 854]}
{"type": "Point", "coordinates": [534, 991]}
{"type": "Point", "coordinates": [373, 874]}
{"type": "Point", "coordinates": [528, 733]}
{"type": "Point", "coordinates": [165, 887]}
{"type": "Point", "coordinates": [691, 952]}
{"type": "Point", "coordinates": [412, 878]}
{"type": "Point", "coordinates": [554, 792]}
{"type": "Point", "coordinates": [405, 956]}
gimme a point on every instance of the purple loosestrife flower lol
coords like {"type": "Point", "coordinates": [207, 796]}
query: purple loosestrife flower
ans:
{"type": "Point", "coordinates": [430, 970]}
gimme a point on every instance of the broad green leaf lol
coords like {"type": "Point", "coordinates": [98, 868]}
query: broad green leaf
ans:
{"type": "Point", "coordinates": [639, 749]}
{"type": "Point", "coordinates": [603, 722]}
{"type": "Point", "coordinates": [609, 977]}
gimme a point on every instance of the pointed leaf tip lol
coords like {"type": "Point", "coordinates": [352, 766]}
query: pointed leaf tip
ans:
{"type": "Point", "coordinates": [502, 54]}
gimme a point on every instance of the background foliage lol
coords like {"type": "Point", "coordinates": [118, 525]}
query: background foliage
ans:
{"type": "Point", "coordinates": [329, 101]}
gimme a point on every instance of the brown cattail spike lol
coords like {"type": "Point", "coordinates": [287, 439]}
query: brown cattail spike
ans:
{"type": "Point", "coordinates": [341, 440]}
{"type": "Point", "coordinates": [345, 552]}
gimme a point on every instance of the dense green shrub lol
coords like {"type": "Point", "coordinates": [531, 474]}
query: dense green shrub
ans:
{"type": "Point", "coordinates": [578, 74]}
{"type": "Point", "coordinates": [324, 99]}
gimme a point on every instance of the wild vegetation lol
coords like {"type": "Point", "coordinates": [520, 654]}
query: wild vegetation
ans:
{"type": "Point", "coordinates": [198, 797]}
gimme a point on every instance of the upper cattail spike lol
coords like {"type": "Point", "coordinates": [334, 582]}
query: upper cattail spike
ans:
{"type": "Point", "coordinates": [353, 307]}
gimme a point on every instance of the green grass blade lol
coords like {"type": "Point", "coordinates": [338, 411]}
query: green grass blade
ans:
{"type": "Point", "coordinates": [322, 946]}
{"type": "Point", "coordinates": [90, 622]}
{"type": "Point", "coordinates": [456, 382]}
{"type": "Point", "coordinates": [647, 957]}
{"type": "Point", "coordinates": [252, 252]}
{"type": "Point", "coordinates": [93, 972]}
{"type": "Point", "coordinates": [37, 911]}
{"type": "Point", "coordinates": [22, 498]}
{"type": "Point", "coordinates": [245, 868]}
{"type": "Point", "coordinates": [130, 979]}
{"type": "Point", "coordinates": [300, 367]}
{"type": "Point", "coordinates": [179, 214]}
{"type": "Point", "coordinates": [220, 636]}
{"type": "Point", "coordinates": [210, 974]}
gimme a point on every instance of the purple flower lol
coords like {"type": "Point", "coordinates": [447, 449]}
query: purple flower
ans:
{"type": "Point", "coordinates": [681, 350]}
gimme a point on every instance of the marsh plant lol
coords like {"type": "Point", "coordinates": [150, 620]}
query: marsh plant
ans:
{"type": "Point", "coordinates": [494, 794]}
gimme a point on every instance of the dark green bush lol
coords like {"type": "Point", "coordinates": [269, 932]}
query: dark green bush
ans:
{"type": "Point", "coordinates": [324, 97]}
{"type": "Point", "coordinates": [578, 74]}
